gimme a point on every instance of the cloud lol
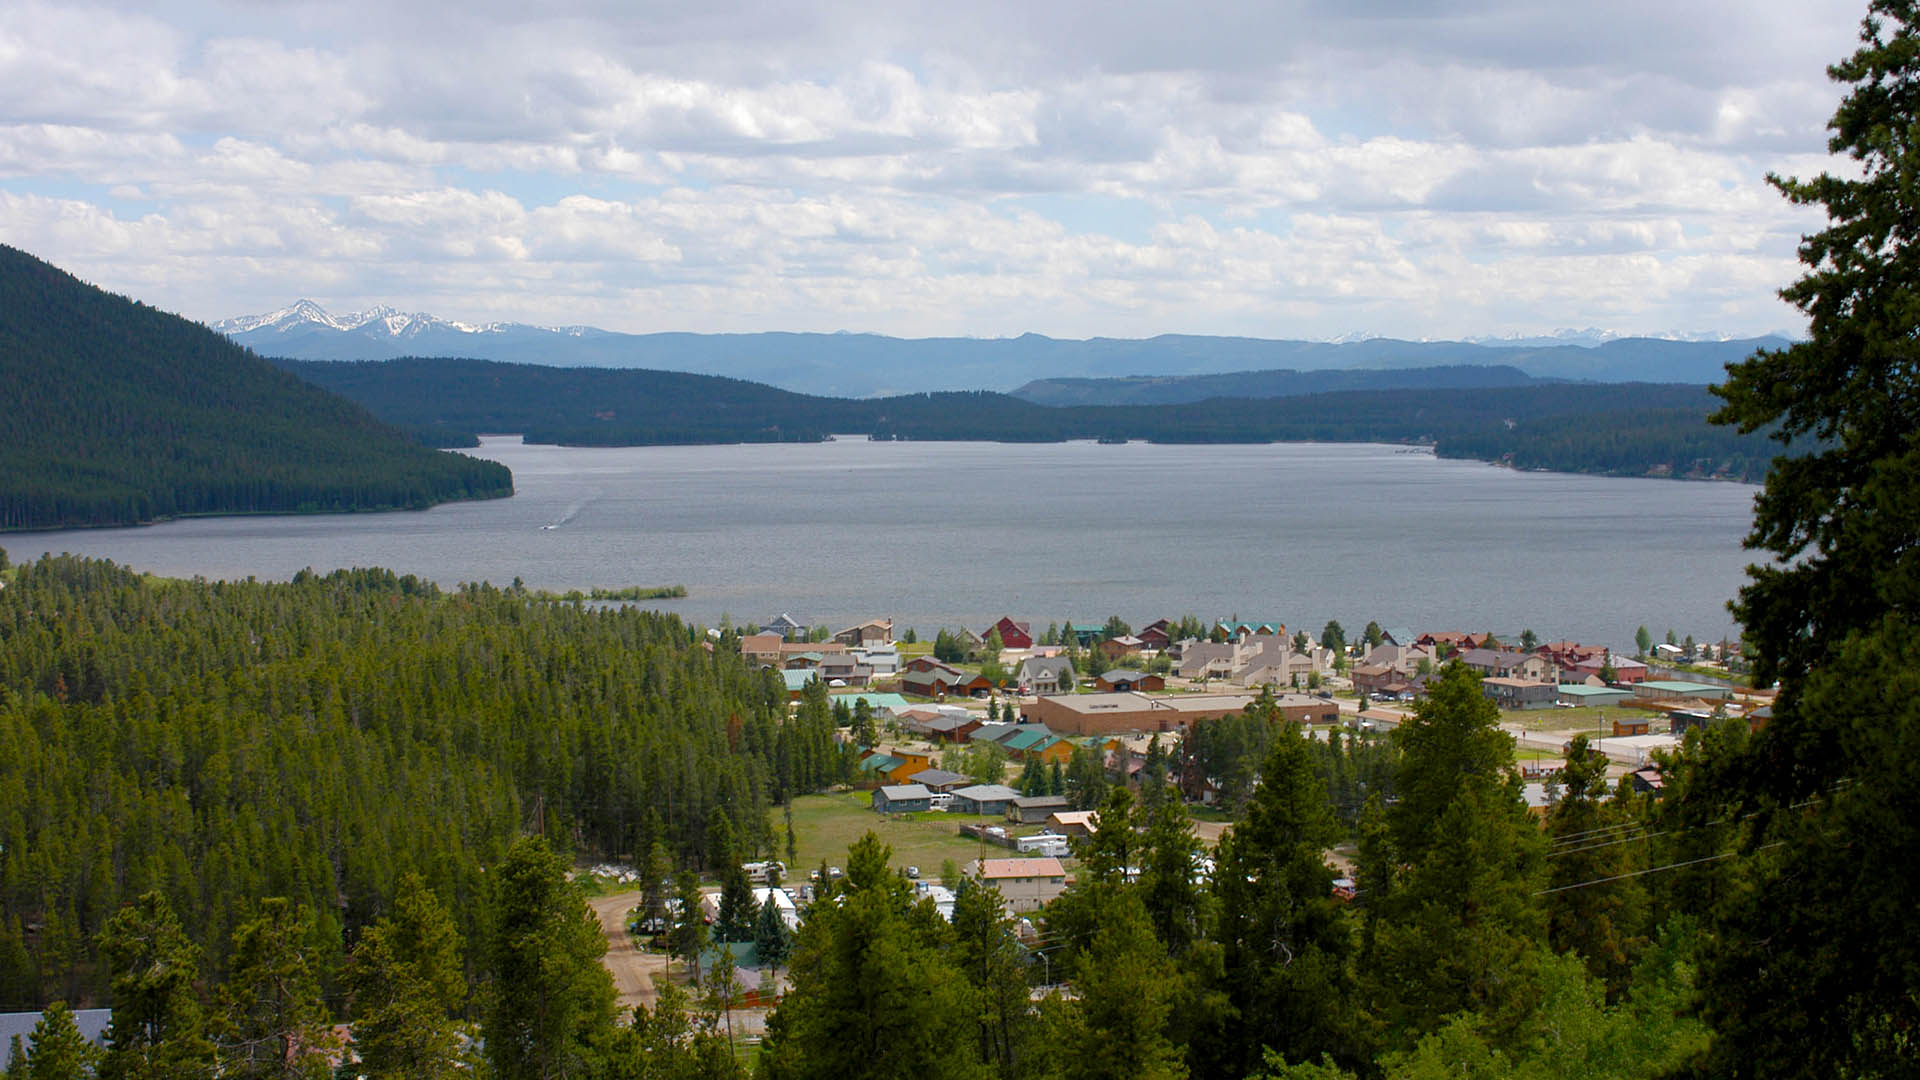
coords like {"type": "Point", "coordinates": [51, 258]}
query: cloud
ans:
{"type": "Point", "coordinates": [1298, 168]}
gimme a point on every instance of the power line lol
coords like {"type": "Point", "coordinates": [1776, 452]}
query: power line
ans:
{"type": "Point", "coordinates": [1654, 869]}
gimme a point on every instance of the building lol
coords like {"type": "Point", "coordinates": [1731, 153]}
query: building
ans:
{"type": "Point", "coordinates": [1046, 674]}
{"type": "Point", "coordinates": [761, 649]}
{"type": "Point", "coordinates": [1581, 694]}
{"type": "Point", "coordinates": [1631, 725]}
{"type": "Point", "coordinates": [1013, 635]}
{"type": "Point", "coordinates": [1503, 664]}
{"type": "Point", "coordinates": [1123, 681]}
{"type": "Point", "coordinates": [797, 682]}
{"type": "Point", "coordinates": [1125, 645]}
{"type": "Point", "coordinates": [1074, 823]}
{"type": "Point", "coordinates": [1157, 635]}
{"type": "Point", "coordinates": [866, 634]}
{"type": "Point", "coordinates": [1109, 714]}
{"type": "Point", "coordinates": [901, 798]}
{"type": "Point", "coordinates": [786, 626]}
{"type": "Point", "coordinates": [990, 799]}
{"type": "Point", "coordinates": [1307, 709]}
{"type": "Point", "coordinates": [1520, 693]}
{"type": "Point", "coordinates": [93, 1025]}
{"type": "Point", "coordinates": [1034, 809]}
{"type": "Point", "coordinates": [1037, 742]}
{"type": "Point", "coordinates": [1626, 670]}
{"type": "Point", "coordinates": [940, 781]}
{"type": "Point", "coordinates": [1672, 690]}
{"type": "Point", "coordinates": [1025, 884]}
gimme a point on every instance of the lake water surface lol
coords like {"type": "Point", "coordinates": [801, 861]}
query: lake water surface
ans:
{"type": "Point", "coordinates": [951, 534]}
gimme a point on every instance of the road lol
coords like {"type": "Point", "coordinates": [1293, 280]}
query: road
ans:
{"type": "Point", "coordinates": [633, 970]}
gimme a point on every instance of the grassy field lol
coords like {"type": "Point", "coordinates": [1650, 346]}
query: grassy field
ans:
{"type": "Point", "coordinates": [826, 825]}
{"type": "Point", "coordinates": [1588, 719]}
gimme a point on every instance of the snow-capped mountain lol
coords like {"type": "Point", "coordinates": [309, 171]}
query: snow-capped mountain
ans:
{"type": "Point", "coordinates": [864, 365]}
{"type": "Point", "coordinates": [375, 321]}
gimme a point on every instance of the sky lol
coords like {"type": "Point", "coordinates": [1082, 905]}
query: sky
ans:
{"type": "Point", "coordinates": [1283, 169]}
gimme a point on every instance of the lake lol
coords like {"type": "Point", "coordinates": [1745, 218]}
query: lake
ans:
{"type": "Point", "coordinates": [952, 534]}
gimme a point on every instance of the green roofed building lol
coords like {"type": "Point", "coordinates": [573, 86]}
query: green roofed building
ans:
{"type": "Point", "coordinates": [1580, 694]}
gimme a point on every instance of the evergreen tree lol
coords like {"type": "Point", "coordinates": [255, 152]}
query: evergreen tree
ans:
{"type": "Point", "coordinates": [865, 732]}
{"type": "Point", "coordinates": [1643, 641]}
{"type": "Point", "coordinates": [771, 939]}
{"type": "Point", "coordinates": [1126, 987]}
{"type": "Point", "coordinates": [268, 1018]}
{"type": "Point", "coordinates": [1286, 943]}
{"type": "Point", "coordinates": [551, 1006]}
{"type": "Point", "coordinates": [988, 955]}
{"type": "Point", "coordinates": [57, 1050]}
{"type": "Point", "coordinates": [1333, 637]}
{"type": "Point", "coordinates": [1529, 641]}
{"type": "Point", "coordinates": [689, 935]}
{"type": "Point", "coordinates": [157, 1026]}
{"type": "Point", "coordinates": [1170, 860]}
{"type": "Point", "coordinates": [737, 909]}
{"type": "Point", "coordinates": [875, 994]}
{"type": "Point", "coordinates": [1599, 911]}
{"type": "Point", "coordinates": [1056, 780]}
{"type": "Point", "coordinates": [408, 982]}
{"type": "Point", "coordinates": [656, 881]}
{"type": "Point", "coordinates": [1373, 636]}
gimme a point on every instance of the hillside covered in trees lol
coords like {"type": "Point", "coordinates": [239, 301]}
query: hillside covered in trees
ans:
{"type": "Point", "coordinates": [320, 739]}
{"type": "Point", "coordinates": [119, 414]}
{"type": "Point", "coordinates": [1634, 429]}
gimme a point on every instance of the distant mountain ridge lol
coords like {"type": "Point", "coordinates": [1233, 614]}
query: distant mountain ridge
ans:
{"type": "Point", "coordinates": [1181, 389]}
{"type": "Point", "coordinates": [873, 365]}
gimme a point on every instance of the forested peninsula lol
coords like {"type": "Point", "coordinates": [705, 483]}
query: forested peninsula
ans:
{"type": "Point", "coordinates": [1630, 429]}
{"type": "Point", "coordinates": [119, 414]}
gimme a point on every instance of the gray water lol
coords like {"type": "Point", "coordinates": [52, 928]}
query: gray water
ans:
{"type": "Point", "coordinates": [953, 534]}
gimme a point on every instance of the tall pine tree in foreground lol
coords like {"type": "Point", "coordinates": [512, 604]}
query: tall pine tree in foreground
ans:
{"type": "Point", "coordinates": [1814, 972]}
{"type": "Point", "coordinates": [550, 1012]}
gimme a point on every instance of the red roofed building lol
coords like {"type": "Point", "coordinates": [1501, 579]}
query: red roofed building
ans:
{"type": "Point", "coordinates": [1013, 635]}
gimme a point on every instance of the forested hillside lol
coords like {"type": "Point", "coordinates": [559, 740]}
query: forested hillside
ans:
{"type": "Point", "coordinates": [118, 414]}
{"type": "Point", "coordinates": [1633, 429]}
{"type": "Point", "coordinates": [222, 742]}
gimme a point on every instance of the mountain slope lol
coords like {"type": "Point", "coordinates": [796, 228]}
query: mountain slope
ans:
{"type": "Point", "coordinates": [117, 414]}
{"type": "Point", "coordinates": [871, 365]}
{"type": "Point", "coordinates": [1622, 429]}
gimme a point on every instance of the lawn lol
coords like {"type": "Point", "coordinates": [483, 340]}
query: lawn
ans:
{"type": "Point", "coordinates": [1590, 719]}
{"type": "Point", "coordinates": [826, 825]}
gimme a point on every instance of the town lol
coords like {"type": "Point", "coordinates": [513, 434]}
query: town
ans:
{"type": "Point", "coordinates": [984, 757]}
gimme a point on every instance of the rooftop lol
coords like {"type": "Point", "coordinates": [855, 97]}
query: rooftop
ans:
{"type": "Point", "coordinates": [1001, 869]}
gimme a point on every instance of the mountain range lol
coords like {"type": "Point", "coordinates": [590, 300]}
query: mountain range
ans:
{"type": "Point", "coordinates": [873, 365]}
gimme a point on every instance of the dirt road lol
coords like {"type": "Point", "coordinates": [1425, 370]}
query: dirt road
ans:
{"type": "Point", "coordinates": [632, 969]}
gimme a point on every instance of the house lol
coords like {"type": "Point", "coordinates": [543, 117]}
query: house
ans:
{"type": "Point", "coordinates": [936, 679]}
{"type": "Point", "coordinates": [1157, 635]}
{"type": "Point", "coordinates": [871, 632]}
{"type": "Point", "coordinates": [1503, 664]}
{"type": "Point", "coordinates": [1025, 884]}
{"type": "Point", "coordinates": [1398, 635]}
{"type": "Point", "coordinates": [1074, 823]}
{"type": "Point", "coordinates": [1626, 670]}
{"type": "Point", "coordinates": [1013, 635]}
{"type": "Point", "coordinates": [1034, 809]}
{"type": "Point", "coordinates": [786, 626]}
{"type": "Point", "coordinates": [1449, 641]}
{"type": "Point", "coordinates": [762, 650]}
{"type": "Point", "coordinates": [1373, 679]}
{"type": "Point", "coordinates": [901, 798]}
{"type": "Point", "coordinates": [1307, 709]}
{"type": "Point", "coordinates": [1123, 681]}
{"type": "Point", "coordinates": [1125, 645]}
{"type": "Point", "coordinates": [939, 781]}
{"type": "Point", "coordinates": [881, 705]}
{"type": "Point", "coordinates": [983, 799]}
{"type": "Point", "coordinates": [1631, 725]}
{"type": "Point", "coordinates": [1208, 660]}
{"type": "Point", "coordinates": [1240, 629]}
{"type": "Point", "coordinates": [1046, 675]}
{"type": "Point", "coordinates": [1403, 658]}
{"type": "Point", "coordinates": [883, 659]}
{"type": "Point", "coordinates": [1520, 693]}
{"type": "Point", "coordinates": [1566, 654]}
{"type": "Point", "coordinates": [940, 727]}
{"type": "Point", "coordinates": [1648, 781]}
{"type": "Point", "coordinates": [802, 661]}
{"type": "Point", "coordinates": [843, 669]}
{"type": "Point", "coordinates": [1039, 743]}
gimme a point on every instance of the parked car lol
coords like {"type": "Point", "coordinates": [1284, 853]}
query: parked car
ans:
{"type": "Point", "coordinates": [913, 872]}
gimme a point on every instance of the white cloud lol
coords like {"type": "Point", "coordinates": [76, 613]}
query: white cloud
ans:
{"type": "Point", "coordinates": [1289, 169]}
